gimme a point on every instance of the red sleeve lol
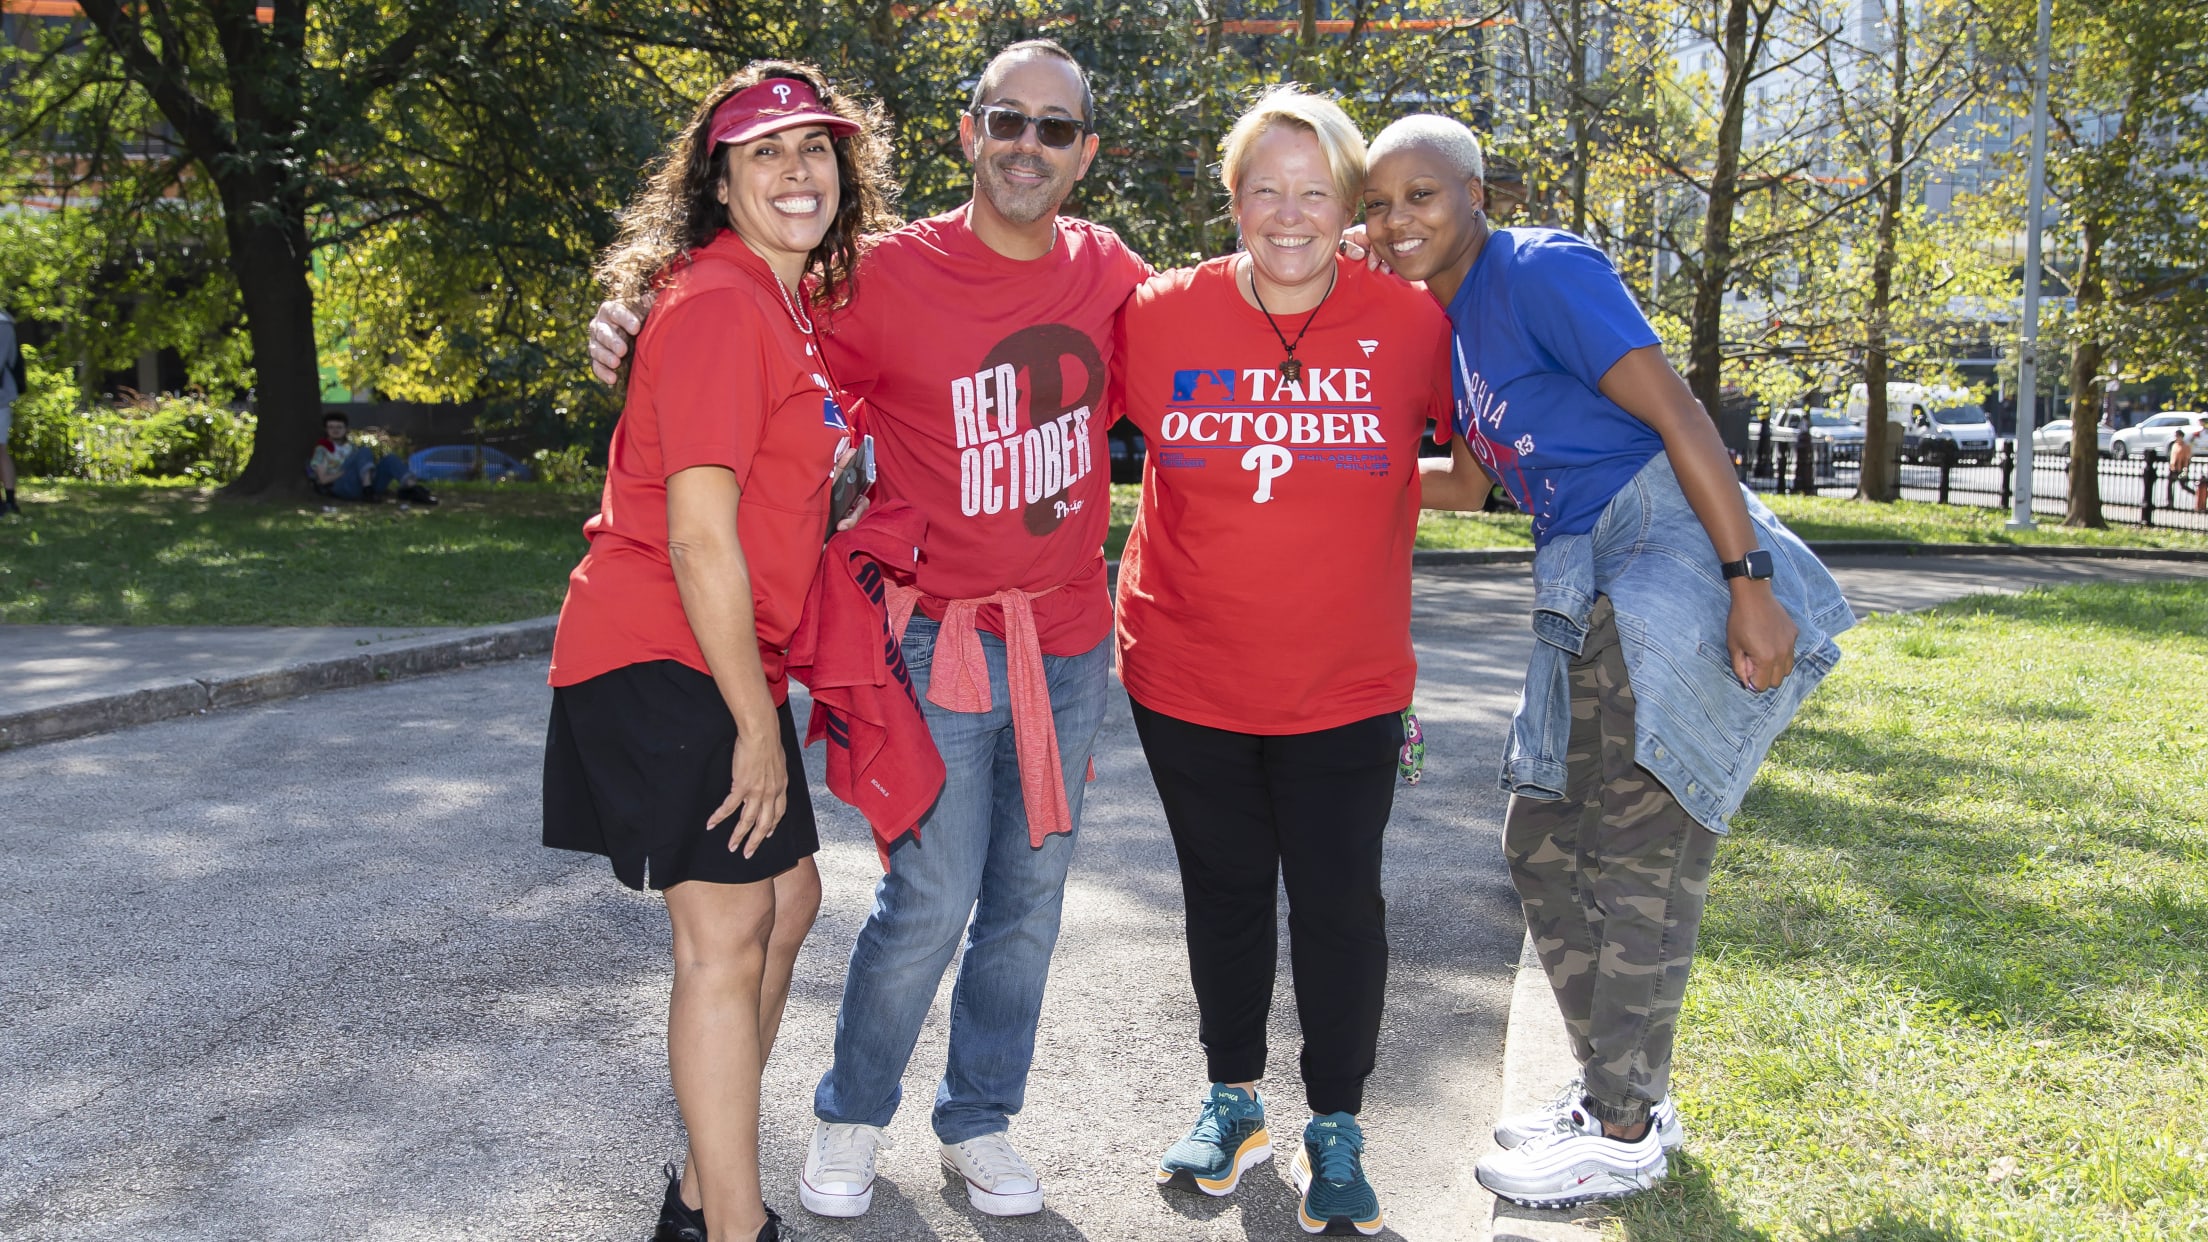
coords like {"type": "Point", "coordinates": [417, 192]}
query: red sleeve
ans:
{"type": "Point", "coordinates": [1444, 396]}
{"type": "Point", "coordinates": [1115, 387]}
{"type": "Point", "coordinates": [710, 387]}
{"type": "Point", "coordinates": [852, 341]}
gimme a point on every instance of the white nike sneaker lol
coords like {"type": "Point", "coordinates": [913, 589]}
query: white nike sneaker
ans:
{"type": "Point", "coordinates": [839, 1169]}
{"type": "Point", "coordinates": [1574, 1163]}
{"type": "Point", "coordinates": [1525, 1127]}
{"type": "Point", "coordinates": [998, 1182]}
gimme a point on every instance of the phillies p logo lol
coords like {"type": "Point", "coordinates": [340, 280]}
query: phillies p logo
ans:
{"type": "Point", "coordinates": [1270, 461]}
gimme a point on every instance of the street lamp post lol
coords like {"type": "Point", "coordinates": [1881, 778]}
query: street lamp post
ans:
{"type": "Point", "coordinates": [2027, 369]}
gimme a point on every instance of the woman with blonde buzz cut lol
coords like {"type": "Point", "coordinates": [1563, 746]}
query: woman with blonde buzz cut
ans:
{"type": "Point", "coordinates": [1264, 627]}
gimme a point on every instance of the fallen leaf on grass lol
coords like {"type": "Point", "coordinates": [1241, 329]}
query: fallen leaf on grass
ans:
{"type": "Point", "coordinates": [2001, 1170]}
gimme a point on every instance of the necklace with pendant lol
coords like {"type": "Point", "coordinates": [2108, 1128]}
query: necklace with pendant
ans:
{"type": "Point", "coordinates": [1291, 368]}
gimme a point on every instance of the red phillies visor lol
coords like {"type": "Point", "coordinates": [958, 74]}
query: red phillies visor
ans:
{"type": "Point", "coordinates": [772, 106]}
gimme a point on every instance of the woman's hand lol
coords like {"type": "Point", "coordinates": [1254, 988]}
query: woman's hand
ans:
{"type": "Point", "coordinates": [611, 330]}
{"type": "Point", "coordinates": [758, 789]}
{"type": "Point", "coordinates": [1357, 244]}
{"type": "Point", "coordinates": [858, 511]}
{"type": "Point", "coordinates": [1760, 635]}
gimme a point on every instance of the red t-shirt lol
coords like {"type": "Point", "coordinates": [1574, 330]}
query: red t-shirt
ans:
{"type": "Point", "coordinates": [982, 380]}
{"type": "Point", "coordinates": [722, 377]}
{"type": "Point", "coordinates": [1267, 585]}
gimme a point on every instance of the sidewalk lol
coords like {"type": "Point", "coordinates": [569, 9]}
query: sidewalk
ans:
{"type": "Point", "coordinates": [63, 681]}
{"type": "Point", "coordinates": [305, 962]}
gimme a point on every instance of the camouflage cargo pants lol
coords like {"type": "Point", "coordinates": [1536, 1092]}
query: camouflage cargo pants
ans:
{"type": "Point", "coordinates": [1612, 878]}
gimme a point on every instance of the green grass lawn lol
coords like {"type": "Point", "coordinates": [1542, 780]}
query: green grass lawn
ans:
{"type": "Point", "coordinates": [158, 554]}
{"type": "Point", "coordinates": [1953, 981]}
{"type": "Point", "coordinates": [174, 554]}
{"type": "Point", "coordinates": [1836, 517]}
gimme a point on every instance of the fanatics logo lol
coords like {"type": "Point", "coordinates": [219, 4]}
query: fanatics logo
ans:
{"type": "Point", "coordinates": [1368, 347]}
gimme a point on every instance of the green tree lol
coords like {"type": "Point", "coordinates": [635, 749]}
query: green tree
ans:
{"type": "Point", "coordinates": [485, 125]}
{"type": "Point", "coordinates": [2128, 166]}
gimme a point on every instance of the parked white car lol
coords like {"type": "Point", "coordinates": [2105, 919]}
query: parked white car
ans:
{"type": "Point", "coordinates": [2054, 437]}
{"type": "Point", "coordinates": [2152, 437]}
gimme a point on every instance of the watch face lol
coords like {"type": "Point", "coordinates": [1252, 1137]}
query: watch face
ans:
{"type": "Point", "coordinates": [1759, 563]}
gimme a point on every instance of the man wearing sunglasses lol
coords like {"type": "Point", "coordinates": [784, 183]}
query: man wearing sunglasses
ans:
{"type": "Point", "coordinates": [978, 344]}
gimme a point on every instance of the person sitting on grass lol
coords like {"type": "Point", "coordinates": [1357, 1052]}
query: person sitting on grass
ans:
{"type": "Point", "coordinates": [1680, 626]}
{"type": "Point", "coordinates": [351, 471]}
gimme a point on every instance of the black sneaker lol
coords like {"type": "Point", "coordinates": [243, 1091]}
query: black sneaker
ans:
{"type": "Point", "coordinates": [418, 494]}
{"type": "Point", "coordinates": [677, 1223]}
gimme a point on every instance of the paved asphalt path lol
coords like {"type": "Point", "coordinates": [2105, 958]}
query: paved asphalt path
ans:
{"type": "Point", "coordinates": [301, 971]}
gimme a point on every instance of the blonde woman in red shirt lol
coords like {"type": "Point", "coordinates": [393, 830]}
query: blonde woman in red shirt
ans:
{"type": "Point", "coordinates": [671, 748]}
{"type": "Point", "coordinates": [1264, 626]}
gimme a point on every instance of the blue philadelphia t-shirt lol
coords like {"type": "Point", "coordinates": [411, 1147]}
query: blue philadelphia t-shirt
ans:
{"type": "Point", "coordinates": [1542, 316]}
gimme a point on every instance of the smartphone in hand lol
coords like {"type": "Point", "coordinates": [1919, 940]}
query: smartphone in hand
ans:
{"type": "Point", "coordinates": [854, 475]}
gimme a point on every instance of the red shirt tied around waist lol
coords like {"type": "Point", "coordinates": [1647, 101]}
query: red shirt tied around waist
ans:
{"type": "Point", "coordinates": [988, 412]}
{"type": "Point", "coordinates": [1266, 587]}
{"type": "Point", "coordinates": [723, 376]}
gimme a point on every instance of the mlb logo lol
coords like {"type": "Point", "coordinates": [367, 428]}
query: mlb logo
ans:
{"type": "Point", "coordinates": [1185, 383]}
{"type": "Point", "coordinates": [831, 414]}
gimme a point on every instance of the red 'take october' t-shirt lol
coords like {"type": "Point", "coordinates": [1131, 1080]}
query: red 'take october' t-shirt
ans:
{"type": "Point", "coordinates": [722, 377]}
{"type": "Point", "coordinates": [1266, 587]}
{"type": "Point", "coordinates": [983, 381]}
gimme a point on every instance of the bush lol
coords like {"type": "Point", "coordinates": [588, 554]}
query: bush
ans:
{"type": "Point", "coordinates": [564, 465]}
{"type": "Point", "coordinates": [143, 437]}
{"type": "Point", "coordinates": [44, 436]}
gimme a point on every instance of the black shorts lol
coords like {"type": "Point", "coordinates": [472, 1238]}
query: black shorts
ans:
{"type": "Point", "coordinates": [636, 760]}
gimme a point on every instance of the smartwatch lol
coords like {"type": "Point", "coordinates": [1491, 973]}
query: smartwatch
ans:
{"type": "Point", "coordinates": [1756, 567]}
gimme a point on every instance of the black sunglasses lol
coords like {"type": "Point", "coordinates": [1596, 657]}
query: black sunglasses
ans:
{"type": "Point", "coordinates": [1006, 125]}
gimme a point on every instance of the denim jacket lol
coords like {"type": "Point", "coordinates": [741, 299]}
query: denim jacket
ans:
{"type": "Point", "coordinates": [1700, 731]}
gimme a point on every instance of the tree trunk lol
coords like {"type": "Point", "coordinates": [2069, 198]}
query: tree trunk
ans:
{"type": "Point", "coordinates": [2085, 388]}
{"type": "Point", "coordinates": [1879, 480]}
{"type": "Point", "coordinates": [269, 257]}
{"type": "Point", "coordinates": [1705, 353]}
{"type": "Point", "coordinates": [1577, 42]}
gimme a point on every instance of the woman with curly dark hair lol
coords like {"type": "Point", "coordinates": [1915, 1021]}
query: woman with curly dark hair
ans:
{"type": "Point", "coordinates": [671, 748]}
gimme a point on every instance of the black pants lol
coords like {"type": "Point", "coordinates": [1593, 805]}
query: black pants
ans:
{"type": "Point", "coordinates": [1247, 812]}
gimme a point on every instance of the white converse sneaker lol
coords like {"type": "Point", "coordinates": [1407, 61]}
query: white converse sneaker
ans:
{"type": "Point", "coordinates": [1574, 1163]}
{"type": "Point", "coordinates": [839, 1169]}
{"type": "Point", "coordinates": [997, 1180]}
{"type": "Point", "coordinates": [1525, 1127]}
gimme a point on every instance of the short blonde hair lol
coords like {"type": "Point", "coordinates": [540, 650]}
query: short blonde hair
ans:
{"type": "Point", "coordinates": [1317, 115]}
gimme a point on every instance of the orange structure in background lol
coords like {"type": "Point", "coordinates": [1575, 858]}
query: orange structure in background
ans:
{"type": "Point", "coordinates": [68, 8]}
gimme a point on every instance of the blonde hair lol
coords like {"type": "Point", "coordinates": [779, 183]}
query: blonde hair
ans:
{"type": "Point", "coordinates": [1316, 115]}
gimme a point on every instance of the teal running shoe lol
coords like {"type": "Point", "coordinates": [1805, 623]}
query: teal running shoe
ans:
{"type": "Point", "coordinates": [1228, 1137]}
{"type": "Point", "coordinates": [1330, 1172]}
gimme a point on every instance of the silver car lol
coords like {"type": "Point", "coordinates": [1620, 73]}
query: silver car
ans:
{"type": "Point", "coordinates": [2152, 437]}
{"type": "Point", "coordinates": [2054, 437]}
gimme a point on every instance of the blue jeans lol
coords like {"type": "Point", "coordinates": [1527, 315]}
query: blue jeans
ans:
{"type": "Point", "coordinates": [972, 861]}
{"type": "Point", "coordinates": [364, 473]}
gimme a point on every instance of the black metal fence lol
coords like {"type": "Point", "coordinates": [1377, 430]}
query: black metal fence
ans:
{"type": "Point", "coordinates": [2136, 492]}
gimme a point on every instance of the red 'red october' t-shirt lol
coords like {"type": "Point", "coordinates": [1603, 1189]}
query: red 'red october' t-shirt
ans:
{"type": "Point", "coordinates": [1266, 587]}
{"type": "Point", "coordinates": [722, 377]}
{"type": "Point", "coordinates": [983, 381]}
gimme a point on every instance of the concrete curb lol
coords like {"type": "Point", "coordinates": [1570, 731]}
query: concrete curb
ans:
{"type": "Point", "coordinates": [1889, 547]}
{"type": "Point", "coordinates": [1439, 557]}
{"type": "Point", "coordinates": [189, 696]}
{"type": "Point", "coordinates": [1537, 1060]}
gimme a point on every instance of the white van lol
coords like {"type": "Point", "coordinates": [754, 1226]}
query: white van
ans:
{"type": "Point", "coordinates": [1938, 424]}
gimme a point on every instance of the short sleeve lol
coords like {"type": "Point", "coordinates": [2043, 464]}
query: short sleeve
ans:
{"type": "Point", "coordinates": [1572, 303]}
{"type": "Point", "coordinates": [1115, 388]}
{"type": "Point", "coordinates": [709, 388]}
{"type": "Point", "coordinates": [1443, 394]}
{"type": "Point", "coordinates": [852, 335]}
